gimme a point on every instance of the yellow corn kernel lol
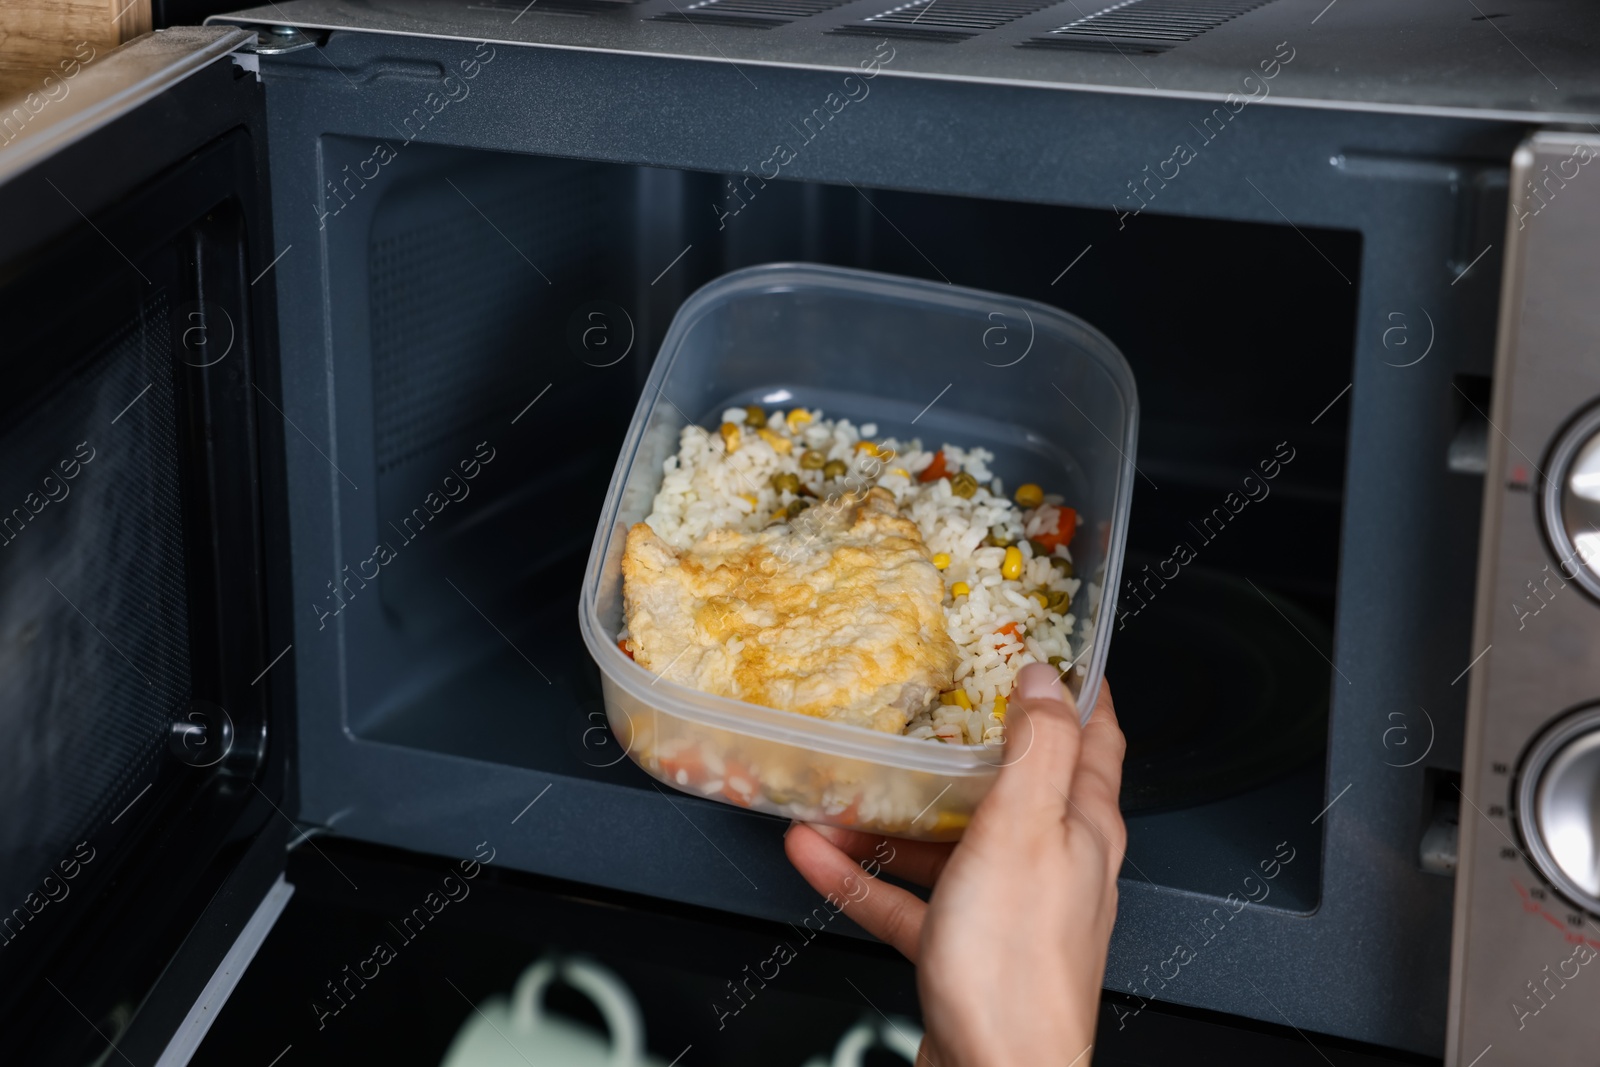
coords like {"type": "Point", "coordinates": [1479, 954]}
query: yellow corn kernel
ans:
{"type": "Point", "coordinates": [951, 820]}
{"type": "Point", "coordinates": [1028, 496]}
{"type": "Point", "coordinates": [779, 443]}
{"type": "Point", "coordinates": [1044, 601]}
{"type": "Point", "coordinates": [956, 697]}
{"type": "Point", "coordinates": [941, 560]}
{"type": "Point", "coordinates": [960, 589]}
{"type": "Point", "coordinates": [866, 446]}
{"type": "Point", "coordinates": [730, 436]}
{"type": "Point", "coordinates": [797, 418]}
{"type": "Point", "coordinates": [751, 497]}
{"type": "Point", "coordinates": [901, 471]}
{"type": "Point", "coordinates": [1000, 708]}
{"type": "Point", "coordinates": [1012, 567]}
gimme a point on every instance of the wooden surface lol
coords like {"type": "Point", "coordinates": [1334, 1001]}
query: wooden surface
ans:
{"type": "Point", "coordinates": [37, 36]}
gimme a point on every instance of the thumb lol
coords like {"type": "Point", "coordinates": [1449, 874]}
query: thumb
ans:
{"type": "Point", "coordinates": [1042, 742]}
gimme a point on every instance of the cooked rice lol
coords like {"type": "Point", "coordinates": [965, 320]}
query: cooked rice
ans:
{"type": "Point", "coordinates": [706, 486]}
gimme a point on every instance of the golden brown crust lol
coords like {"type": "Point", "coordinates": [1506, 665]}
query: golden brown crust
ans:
{"type": "Point", "coordinates": [837, 614]}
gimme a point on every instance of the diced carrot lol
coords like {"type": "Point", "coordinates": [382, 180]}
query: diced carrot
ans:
{"type": "Point", "coordinates": [850, 815]}
{"type": "Point", "coordinates": [1066, 526]}
{"type": "Point", "coordinates": [935, 470]}
{"type": "Point", "coordinates": [622, 643]}
{"type": "Point", "coordinates": [1014, 632]}
{"type": "Point", "coordinates": [739, 784]}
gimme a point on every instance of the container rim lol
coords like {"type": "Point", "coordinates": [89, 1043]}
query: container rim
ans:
{"type": "Point", "coordinates": [787, 727]}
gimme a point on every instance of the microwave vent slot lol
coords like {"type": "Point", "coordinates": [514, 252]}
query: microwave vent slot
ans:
{"type": "Point", "coordinates": [943, 20]}
{"type": "Point", "coordinates": [447, 355]}
{"type": "Point", "coordinates": [555, 7]}
{"type": "Point", "coordinates": [755, 14]}
{"type": "Point", "coordinates": [1143, 27]}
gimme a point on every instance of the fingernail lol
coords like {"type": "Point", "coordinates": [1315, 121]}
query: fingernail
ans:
{"type": "Point", "coordinates": [1040, 681]}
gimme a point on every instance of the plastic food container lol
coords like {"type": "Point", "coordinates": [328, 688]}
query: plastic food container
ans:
{"type": "Point", "coordinates": [1048, 394]}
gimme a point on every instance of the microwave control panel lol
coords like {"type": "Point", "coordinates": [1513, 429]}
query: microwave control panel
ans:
{"type": "Point", "coordinates": [1525, 969]}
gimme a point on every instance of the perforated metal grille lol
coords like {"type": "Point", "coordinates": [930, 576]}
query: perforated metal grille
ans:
{"type": "Point", "coordinates": [944, 19]}
{"type": "Point", "coordinates": [757, 13]}
{"type": "Point", "coordinates": [94, 643]}
{"type": "Point", "coordinates": [968, 14]}
{"type": "Point", "coordinates": [561, 7]}
{"type": "Point", "coordinates": [479, 264]}
{"type": "Point", "coordinates": [1144, 26]}
{"type": "Point", "coordinates": [458, 278]}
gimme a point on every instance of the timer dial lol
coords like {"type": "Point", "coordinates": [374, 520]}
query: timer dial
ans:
{"type": "Point", "coordinates": [1559, 806]}
{"type": "Point", "coordinates": [1570, 501]}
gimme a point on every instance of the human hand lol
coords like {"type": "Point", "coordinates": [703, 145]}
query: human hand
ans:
{"type": "Point", "coordinates": [1011, 947]}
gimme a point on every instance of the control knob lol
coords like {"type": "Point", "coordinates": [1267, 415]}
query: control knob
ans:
{"type": "Point", "coordinates": [1558, 806]}
{"type": "Point", "coordinates": [1570, 501]}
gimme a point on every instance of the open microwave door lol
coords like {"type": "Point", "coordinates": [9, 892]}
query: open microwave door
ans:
{"type": "Point", "coordinates": [145, 686]}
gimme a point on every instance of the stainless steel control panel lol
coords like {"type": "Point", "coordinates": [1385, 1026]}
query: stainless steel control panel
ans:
{"type": "Point", "coordinates": [1525, 971]}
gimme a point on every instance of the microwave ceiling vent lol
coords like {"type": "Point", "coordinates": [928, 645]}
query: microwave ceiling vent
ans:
{"type": "Point", "coordinates": [757, 14]}
{"type": "Point", "coordinates": [567, 8]}
{"type": "Point", "coordinates": [1143, 27]}
{"type": "Point", "coordinates": [943, 20]}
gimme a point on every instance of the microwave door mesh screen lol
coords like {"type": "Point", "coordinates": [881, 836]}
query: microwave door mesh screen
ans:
{"type": "Point", "coordinates": [94, 645]}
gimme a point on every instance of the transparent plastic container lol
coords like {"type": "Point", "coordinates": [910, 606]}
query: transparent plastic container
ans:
{"type": "Point", "coordinates": [1048, 394]}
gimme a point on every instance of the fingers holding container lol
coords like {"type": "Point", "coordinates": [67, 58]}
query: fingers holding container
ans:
{"type": "Point", "coordinates": [1057, 774]}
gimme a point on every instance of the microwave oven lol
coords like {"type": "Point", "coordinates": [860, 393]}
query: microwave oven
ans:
{"type": "Point", "coordinates": [327, 275]}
